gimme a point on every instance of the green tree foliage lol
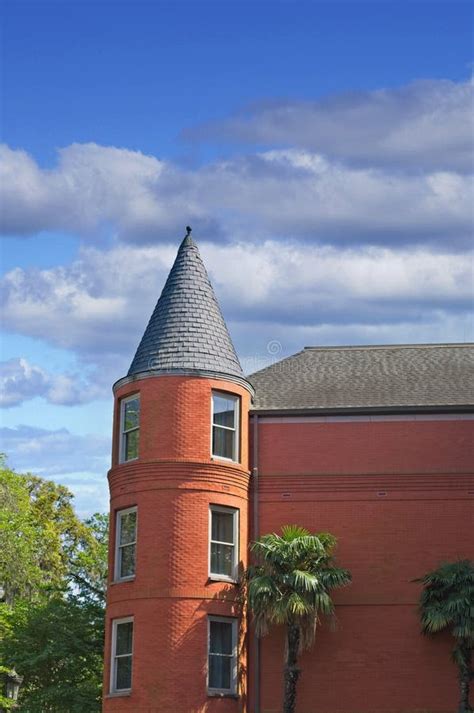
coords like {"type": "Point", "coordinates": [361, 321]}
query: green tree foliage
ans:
{"type": "Point", "coordinates": [87, 564]}
{"type": "Point", "coordinates": [447, 603]}
{"type": "Point", "coordinates": [57, 645]}
{"type": "Point", "coordinates": [40, 535]}
{"type": "Point", "coordinates": [290, 585]}
{"type": "Point", "coordinates": [53, 570]}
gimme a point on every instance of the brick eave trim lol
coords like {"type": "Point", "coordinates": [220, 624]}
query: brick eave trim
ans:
{"type": "Point", "coordinates": [194, 373]}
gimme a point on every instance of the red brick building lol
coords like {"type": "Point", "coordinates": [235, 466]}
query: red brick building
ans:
{"type": "Point", "coordinates": [374, 444]}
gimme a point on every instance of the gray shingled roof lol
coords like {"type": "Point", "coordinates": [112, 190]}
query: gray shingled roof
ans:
{"type": "Point", "coordinates": [186, 331]}
{"type": "Point", "coordinates": [368, 377]}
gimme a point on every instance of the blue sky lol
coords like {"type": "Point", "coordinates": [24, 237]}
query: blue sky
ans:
{"type": "Point", "coordinates": [325, 148]}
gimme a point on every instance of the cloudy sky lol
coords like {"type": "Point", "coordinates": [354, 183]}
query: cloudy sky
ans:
{"type": "Point", "coordinates": [322, 152]}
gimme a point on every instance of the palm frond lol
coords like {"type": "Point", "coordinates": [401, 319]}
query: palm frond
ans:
{"type": "Point", "coordinates": [293, 532]}
{"type": "Point", "coordinates": [447, 600]}
{"type": "Point", "coordinates": [333, 577]}
{"type": "Point", "coordinates": [305, 580]}
{"type": "Point", "coordinates": [291, 581]}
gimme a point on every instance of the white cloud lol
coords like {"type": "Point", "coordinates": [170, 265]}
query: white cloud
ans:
{"type": "Point", "coordinates": [21, 381]}
{"type": "Point", "coordinates": [106, 297]}
{"type": "Point", "coordinates": [59, 451]}
{"type": "Point", "coordinates": [320, 278]}
{"type": "Point", "coordinates": [79, 462]}
{"type": "Point", "coordinates": [90, 186]}
{"type": "Point", "coordinates": [295, 193]}
{"type": "Point", "coordinates": [425, 125]}
{"type": "Point", "coordinates": [276, 194]}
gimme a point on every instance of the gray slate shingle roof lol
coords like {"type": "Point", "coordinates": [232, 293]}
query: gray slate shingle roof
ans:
{"type": "Point", "coordinates": [186, 331]}
{"type": "Point", "coordinates": [367, 377]}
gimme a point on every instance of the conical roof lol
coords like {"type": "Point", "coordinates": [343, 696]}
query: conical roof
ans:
{"type": "Point", "coordinates": [187, 332]}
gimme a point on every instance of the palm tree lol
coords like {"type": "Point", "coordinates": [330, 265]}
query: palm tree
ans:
{"type": "Point", "coordinates": [290, 585]}
{"type": "Point", "coordinates": [447, 602]}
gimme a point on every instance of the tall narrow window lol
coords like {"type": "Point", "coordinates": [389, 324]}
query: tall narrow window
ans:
{"type": "Point", "coordinates": [223, 542]}
{"type": "Point", "coordinates": [222, 655]}
{"type": "Point", "coordinates": [122, 652]}
{"type": "Point", "coordinates": [225, 426]}
{"type": "Point", "coordinates": [125, 543]}
{"type": "Point", "coordinates": [129, 428]}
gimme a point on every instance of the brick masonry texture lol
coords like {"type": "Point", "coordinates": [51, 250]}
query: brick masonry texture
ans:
{"type": "Point", "coordinates": [400, 498]}
{"type": "Point", "coordinates": [172, 484]}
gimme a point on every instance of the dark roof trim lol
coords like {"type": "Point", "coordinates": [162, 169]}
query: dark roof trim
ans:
{"type": "Point", "coordinates": [199, 373]}
{"type": "Point", "coordinates": [364, 411]}
{"type": "Point", "coordinates": [370, 347]}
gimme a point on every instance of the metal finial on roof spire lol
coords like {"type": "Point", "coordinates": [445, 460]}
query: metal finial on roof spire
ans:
{"type": "Point", "coordinates": [188, 240]}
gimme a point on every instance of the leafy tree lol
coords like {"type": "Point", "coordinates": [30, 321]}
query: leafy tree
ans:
{"type": "Point", "coordinates": [447, 603]}
{"type": "Point", "coordinates": [57, 645]}
{"type": "Point", "coordinates": [40, 535]}
{"type": "Point", "coordinates": [87, 566]}
{"type": "Point", "coordinates": [53, 570]}
{"type": "Point", "coordinates": [290, 585]}
{"type": "Point", "coordinates": [20, 573]}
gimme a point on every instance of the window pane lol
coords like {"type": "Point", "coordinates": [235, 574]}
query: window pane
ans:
{"type": "Point", "coordinates": [128, 525]}
{"type": "Point", "coordinates": [127, 561]}
{"type": "Point", "coordinates": [219, 671]}
{"type": "Point", "coordinates": [131, 414]}
{"type": "Point", "coordinates": [123, 672]}
{"type": "Point", "coordinates": [222, 526]}
{"type": "Point", "coordinates": [220, 637]}
{"type": "Point", "coordinates": [222, 559]}
{"type": "Point", "coordinates": [223, 442]}
{"type": "Point", "coordinates": [224, 410]}
{"type": "Point", "coordinates": [124, 638]}
{"type": "Point", "coordinates": [131, 444]}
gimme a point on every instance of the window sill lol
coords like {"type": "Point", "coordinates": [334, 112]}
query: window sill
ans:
{"type": "Point", "coordinates": [119, 694]}
{"type": "Point", "coordinates": [224, 459]}
{"type": "Point", "coordinates": [220, 694]}
{"type": "Point", "coordinates": [125, 462]}
{"type": "Point", "coordinates": [221, 578]}
{"type": "Point", "coordinates": [122, 581]}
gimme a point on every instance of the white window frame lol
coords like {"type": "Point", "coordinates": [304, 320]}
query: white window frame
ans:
{"type": "Point", "coordinates": [236, 449]}
{"type": "Point", "coordinates": [235, 532]}
{"type": "Point", "coordinates": [234, 667]}
{"type": "Point", "coordinates": [123, 440]}
{"type": "Point", "coordinates": [118, 546]}
{"type": "Point", "coordinates": [113, 655]}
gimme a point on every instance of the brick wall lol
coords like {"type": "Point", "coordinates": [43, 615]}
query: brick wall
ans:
{"type": "Point", "coordinates": [172, 484]}
{"type": "Point", "coordinates": [399, 495]}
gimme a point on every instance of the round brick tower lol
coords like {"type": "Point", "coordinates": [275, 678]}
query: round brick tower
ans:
{"type": "Point", "coordinates": [179, 483]}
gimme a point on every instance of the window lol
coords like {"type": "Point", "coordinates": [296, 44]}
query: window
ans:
{"type": "Point", "coordinates": [129, 428]}
{"type": "Point", "coordinates": [223, 542]}
{"type": "Point", "coordinates": [125, 543]}
{"type": "Point", "coordinates": [225, 426]}
{"type": "Point", "coordinates": [122, 651]}
{"type": "Point", "coordinates": [222, 656]}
